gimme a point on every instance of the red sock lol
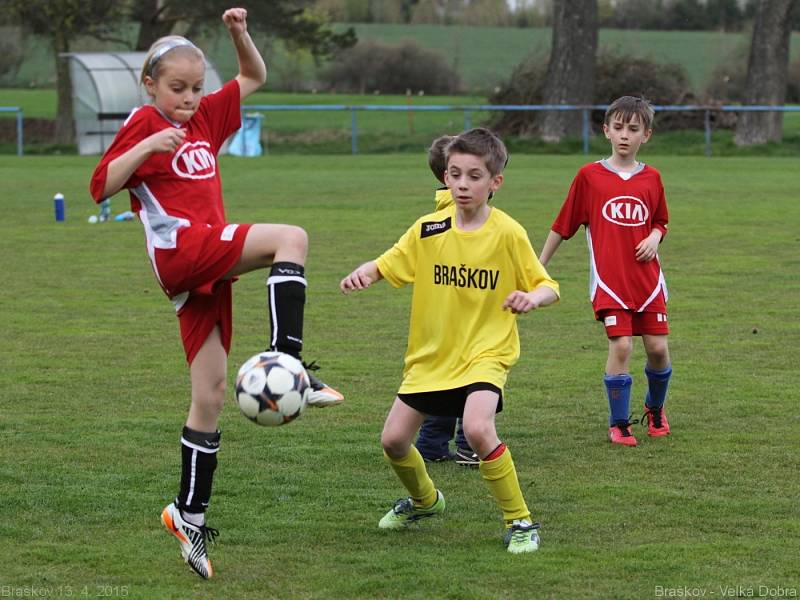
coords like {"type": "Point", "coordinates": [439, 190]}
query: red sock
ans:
{"type": "Point", "coordinates": [496, 452]}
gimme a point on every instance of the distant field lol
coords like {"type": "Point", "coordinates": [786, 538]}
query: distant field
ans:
{"type": "Point", "coordinates": [483, 56]}
{"type": "Point", "coordinates": [94, 391]}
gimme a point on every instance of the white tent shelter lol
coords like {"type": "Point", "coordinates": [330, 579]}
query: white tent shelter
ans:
{"type": "Point", "coordinates": [105, 88]}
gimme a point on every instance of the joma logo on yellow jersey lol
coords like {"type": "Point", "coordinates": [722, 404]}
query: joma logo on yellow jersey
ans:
{"type": "Point", "coordinates": [465, 277]}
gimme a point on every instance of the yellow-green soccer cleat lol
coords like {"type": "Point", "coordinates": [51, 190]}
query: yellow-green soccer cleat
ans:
{"type": "Point", "coordinates": [404, 512]}
{"type": "Point", "coordinates": [522, 536]}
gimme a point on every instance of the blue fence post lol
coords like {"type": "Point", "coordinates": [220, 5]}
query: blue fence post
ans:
{"type": "Point", "coordinates": [19, 133]}
{"type": "Point", "coordinates": [353, 131]}
{"type": "Point", "coordinates": [585, 112]}
{"type": "Point", "coordinates": [707, 128]}
{"type": "Point", "coordinates": [467, 120]}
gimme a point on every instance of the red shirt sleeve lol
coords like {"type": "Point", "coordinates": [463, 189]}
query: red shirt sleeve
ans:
{"type": "Point", "coordinates": [222, 111]}
{"type": "Point", "coordinates": [574, 212]}
{"type": "Point", "coordinates": [133, 130]}
{"type": "Point", "coordinates": [661, 214]}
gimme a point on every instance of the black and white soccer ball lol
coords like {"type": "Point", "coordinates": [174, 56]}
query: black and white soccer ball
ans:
{"type": "Point", "coordinates": [272, 388]}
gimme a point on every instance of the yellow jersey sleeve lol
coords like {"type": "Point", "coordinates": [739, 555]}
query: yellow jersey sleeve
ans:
{"type": "Point", "coordinates": [398, 264]}
{"type": "Point", "coordinates": [531, 274]}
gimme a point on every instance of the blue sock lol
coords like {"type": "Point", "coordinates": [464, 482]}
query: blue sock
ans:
{"type": "Point", "coordinates": [618, 388]}
{"type": "Point", "coordinates": [657, 382]}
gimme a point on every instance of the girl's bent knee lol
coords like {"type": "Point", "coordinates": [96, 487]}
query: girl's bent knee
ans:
{"type": "Point", "coordinates": [297, 237]}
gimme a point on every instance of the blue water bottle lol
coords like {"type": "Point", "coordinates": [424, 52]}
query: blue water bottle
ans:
{"type": "Point", "coordinates": [58, 202]}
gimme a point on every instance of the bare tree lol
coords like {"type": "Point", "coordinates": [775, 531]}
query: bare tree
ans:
{"type": "Point", "coordinates": [62, 21]}
{"type": "Point", "coordinates": [767, 73]}
{"type": "Point", "coordinates": [571, 70]}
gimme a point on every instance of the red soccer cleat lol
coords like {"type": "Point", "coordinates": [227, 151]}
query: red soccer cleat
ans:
{"type": "Point", "coordinates": [621, 434]}
{"type": "Point", "coordinates": [657, 424]}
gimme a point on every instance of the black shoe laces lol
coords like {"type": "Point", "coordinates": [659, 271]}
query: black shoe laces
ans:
{"type": "Point", "coordinates": [656, 412]}
{"type": "Point", "coordinates": [209, 533]}
{"type": "Point", "coordinates": [403, 506]}
{"type": "Point", "coordinates": [624, 427]}
{"type": "Point", "coordinates": [525, 526]}
{"type": "Point", "coordinates": [312, 366]}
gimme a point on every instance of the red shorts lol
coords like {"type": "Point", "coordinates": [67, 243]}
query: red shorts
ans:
{"type": "Point", "coordinates": [203, 312]}
{"type": "Point", "coordinates": [626, 323]}
{"type": "Point", "coordinates": [204, 255]}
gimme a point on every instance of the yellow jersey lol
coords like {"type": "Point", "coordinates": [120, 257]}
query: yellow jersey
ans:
{"type": "Point", "coordinates": [443, 198]}
{"type": "Point", "coordinates": [459, 333]}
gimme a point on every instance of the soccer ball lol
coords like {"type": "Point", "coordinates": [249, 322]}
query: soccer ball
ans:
{"type": "Point", "coordinates": [272, 388]}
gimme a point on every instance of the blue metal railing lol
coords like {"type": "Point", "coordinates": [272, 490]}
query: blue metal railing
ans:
{"type": "Point", "coordinates": [469, 109]}
{"type": "Point", "coordinates": [18, 110]}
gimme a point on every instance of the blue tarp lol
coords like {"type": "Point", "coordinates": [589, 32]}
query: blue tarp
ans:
{"type": "Point", "coordinates": [247, 141]}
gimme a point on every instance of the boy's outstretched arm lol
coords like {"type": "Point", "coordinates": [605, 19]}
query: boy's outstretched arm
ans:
{"type": "Point", "coordinates": [361, 278]}
{"type": "Point", "coordinates": [522, 302]}
{"type": "Point", "coordinates": [551, 244]}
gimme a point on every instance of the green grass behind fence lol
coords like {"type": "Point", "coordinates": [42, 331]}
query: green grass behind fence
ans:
{"type": "Point", "coordinates": [329, 132]}
{"type": "Point", "coordinates": [93, 392]}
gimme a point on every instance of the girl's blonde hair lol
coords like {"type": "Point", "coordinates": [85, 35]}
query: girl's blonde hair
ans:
{"type": "Point", "coordinates": [170, 43]}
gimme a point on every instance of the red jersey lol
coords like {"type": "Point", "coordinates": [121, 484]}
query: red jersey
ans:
{"type": "Point", "coordinates": [178, 195]}
{"type": "Point", "coordinates": [618, 213]}
{"type": "Point", "coordinates": [184, 185]}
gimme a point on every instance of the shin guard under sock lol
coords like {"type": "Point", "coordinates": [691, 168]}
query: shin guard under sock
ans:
{"type": "Point", "coordinates": [501, 477]}
{"type": "Point", "coordinates": [199, 460]}
{"type": "Point", "coordinates": [657, 384]}
{"type": "Point", "coordinates": [286, 291]}
{"type": "Point", "coordinates": [412, 473]}
{"type": "Point", "coordinates": [618, 389]}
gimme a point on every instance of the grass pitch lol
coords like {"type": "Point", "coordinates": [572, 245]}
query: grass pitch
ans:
{"type": "Point", "coordinates": [94, 391]}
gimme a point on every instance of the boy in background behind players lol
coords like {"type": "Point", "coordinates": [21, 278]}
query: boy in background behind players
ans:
{"type": "Point", "coordinates": [436, 432]}
{"type": "Point", "coordinates": [473, 270]}
{"type": "Point", "coordinates": [621, 203]}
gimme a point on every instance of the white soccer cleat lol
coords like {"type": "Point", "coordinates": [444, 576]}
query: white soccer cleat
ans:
{"type": "Point", "coordinates": [192, 540]}
{"type": "Point", "coordinates": [321, 394]}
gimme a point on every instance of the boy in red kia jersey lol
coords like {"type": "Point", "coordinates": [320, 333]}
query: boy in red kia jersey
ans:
{"type": "Point", "coordinates": [165, 154]}
{"type": "Point", "coordinates": [621, 203]}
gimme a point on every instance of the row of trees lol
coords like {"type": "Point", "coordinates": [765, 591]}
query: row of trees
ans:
{"type": "Point", "coordinates": [570, 77]}
{"type": "Point", "coordinates": [725, 15]}
{"type": "Point", "coordinates": [63, 21]}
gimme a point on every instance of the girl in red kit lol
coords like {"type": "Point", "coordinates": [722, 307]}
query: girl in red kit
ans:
{"type": "Point", "coordinates": [165, 154]}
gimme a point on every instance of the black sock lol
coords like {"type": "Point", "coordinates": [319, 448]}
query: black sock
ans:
{"type": "Point", "coordinates": [286, 293]}
{"type": "Point", "coordinates": [199, 459]}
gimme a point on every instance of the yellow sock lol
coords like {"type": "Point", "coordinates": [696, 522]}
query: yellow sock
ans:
{"type": "Point", "coordinates": [411, 471]}
{"type": "Point", "coordinates": [501, 477]}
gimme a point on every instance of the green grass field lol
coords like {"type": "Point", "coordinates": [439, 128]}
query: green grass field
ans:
{"type": "Point", "coordinates": [94, 391]}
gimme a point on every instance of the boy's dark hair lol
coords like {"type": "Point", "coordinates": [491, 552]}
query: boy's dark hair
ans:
{"type": "Point", "coordinates": [481, 142]}
{"type": "Point", "coordinates": [437, 158]}
{"type": "Point", "coordinates": [628, 106]}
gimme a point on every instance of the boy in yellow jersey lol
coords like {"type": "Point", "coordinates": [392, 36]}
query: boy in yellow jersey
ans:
{"type": "Point", "coordinates": [436, 432]}
{"type": "Point", "coordinates": [473, 270]}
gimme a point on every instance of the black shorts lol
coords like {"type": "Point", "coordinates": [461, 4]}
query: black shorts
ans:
{"type": "Point", "coordinates": [449, 403]}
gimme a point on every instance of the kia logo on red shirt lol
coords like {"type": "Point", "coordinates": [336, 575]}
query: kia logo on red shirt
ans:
{"type": "Point", "coordinates": [627, 211]}
{"type": "Point", "coordinates": [194, 160]}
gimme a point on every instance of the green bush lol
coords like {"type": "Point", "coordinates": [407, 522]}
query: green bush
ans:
{"type": "Point", "coordinates": [371, 67]}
